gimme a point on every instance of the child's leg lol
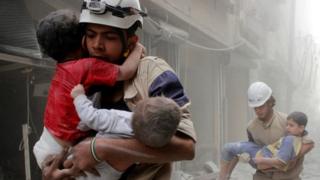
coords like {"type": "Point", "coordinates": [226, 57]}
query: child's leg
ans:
{"type": "Point", "coordinates": [226, 168]}
{"type": "Point", "coordinates": [229, 156]}
{"type": "Point", "coordinates": [45, 146]}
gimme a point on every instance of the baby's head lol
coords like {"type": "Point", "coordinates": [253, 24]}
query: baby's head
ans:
{"type": "Point", "coordinates": [59, 35]}
{"type": "Point", "coordinates": [296, 123]}
{"type": "Point", "coordinates": [155, 121]}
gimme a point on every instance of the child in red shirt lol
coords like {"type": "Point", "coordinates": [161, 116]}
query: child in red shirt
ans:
{"type": "Point", "coordinates": [59, 36]}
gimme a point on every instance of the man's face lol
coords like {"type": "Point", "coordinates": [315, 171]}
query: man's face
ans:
{"type": "Point", "coordinates": [104, 42]}
{"type": "Point", "coordinates": [293, 128]}
{"type": "Point", "coordinates": [263, 112]}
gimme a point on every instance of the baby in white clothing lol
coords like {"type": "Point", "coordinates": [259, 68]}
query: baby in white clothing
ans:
{"type": "Point", "coordinates": [153, 123]}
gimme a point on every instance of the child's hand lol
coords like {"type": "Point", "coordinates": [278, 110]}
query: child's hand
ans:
{"type": "Point", "coordinates": [77, 90]}
{"type": "Point", "coordinates": [139, 48]}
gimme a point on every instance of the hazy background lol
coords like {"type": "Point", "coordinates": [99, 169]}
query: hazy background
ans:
{"type": "Point", "coordinates": [217, 47]}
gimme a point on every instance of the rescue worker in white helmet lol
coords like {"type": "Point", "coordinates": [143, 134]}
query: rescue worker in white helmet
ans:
{"type": "Point", "coordinates": [266, 128]}
{"type": "Point", "coordinates": [110, 27]}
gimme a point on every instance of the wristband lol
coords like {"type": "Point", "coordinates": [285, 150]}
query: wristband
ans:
{"type": "Point", "coordinates": [93, 150]}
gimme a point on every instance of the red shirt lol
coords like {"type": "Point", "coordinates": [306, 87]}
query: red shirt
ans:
{"type": "Point", "coordinates": [61, 118]}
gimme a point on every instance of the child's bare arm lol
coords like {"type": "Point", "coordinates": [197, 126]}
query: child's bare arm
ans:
{"type": "Point", "coordinates": [306, 147]}
{"type": "Point", "coordinates": [129, 68]}
{"type": "Point", "coordinates": [266, 163]}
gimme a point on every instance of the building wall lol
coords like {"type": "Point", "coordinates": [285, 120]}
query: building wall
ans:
{"type": "Point", "coordinates": [236, 98]}
{"type": "Point", "coordinates": [200, 74]}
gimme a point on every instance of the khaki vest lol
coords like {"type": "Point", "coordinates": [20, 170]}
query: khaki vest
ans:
{"type": "Point", "coordinates": [135, 90]}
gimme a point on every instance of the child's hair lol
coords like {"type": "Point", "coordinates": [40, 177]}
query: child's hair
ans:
{"type": "Point", "coordinates": [155, 121]}
{"type": "Point", "coordinates": [59, 34]}
{"type": "Point", "coordinates": [298, 117]}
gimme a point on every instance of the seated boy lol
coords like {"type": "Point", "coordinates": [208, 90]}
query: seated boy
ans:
{"type": "Point", "coordinates": [153, 123]}
{"type": "Point", "coordinates": [59, 36]}
{"type": "Point", "coordinates": [276, 155]}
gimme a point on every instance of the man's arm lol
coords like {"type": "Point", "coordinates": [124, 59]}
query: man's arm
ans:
{"type": "Point", "coordinates": [180, 148]}
{"type": "Point", "coordinates": [266, 163]}
{"type": "Point", "coordinates": [119, 152]}
{"type": "Point", "coordinates": [51, 168]}
{"type": "Point", "coordinates": [250, 138]}
{"type": "Point", "coordinates": [305, 149]}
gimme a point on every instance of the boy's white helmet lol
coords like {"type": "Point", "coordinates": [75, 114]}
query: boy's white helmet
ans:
{"type": "Point", "coordinates": [258, 94]}
{"type": "Point", "coordinates": [116, 13]}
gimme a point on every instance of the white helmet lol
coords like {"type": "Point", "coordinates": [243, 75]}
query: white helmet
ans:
{"type": "Point", "coordinates": [258, 94]}
{"type": "Point", "coordinates": [116, 13]}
